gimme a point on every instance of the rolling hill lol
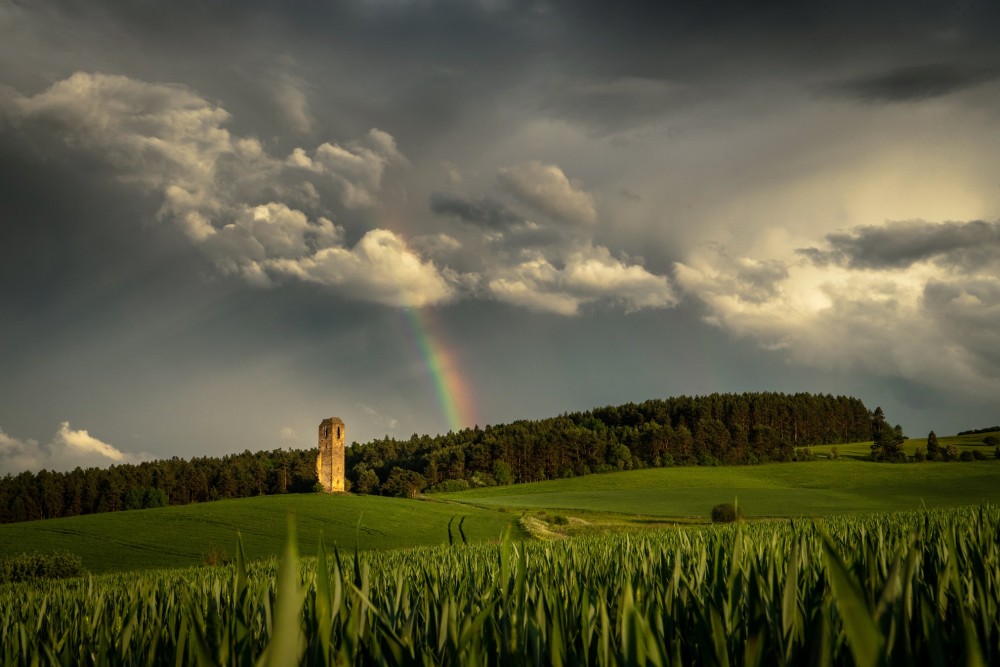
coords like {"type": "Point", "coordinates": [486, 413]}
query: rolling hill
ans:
{"type": "Point", "coordinates": [821, 488]}
{"type": "Point", "coordinates": [193, 534]}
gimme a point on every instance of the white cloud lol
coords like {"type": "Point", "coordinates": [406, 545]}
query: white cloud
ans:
{"type": "Point", "coordinates": [928, 320]}
{"type": "Point", "coordinates": [267, 219]}
{"type": "Point", "coordinates": [288, 434]}
{"type": "Point", "coordinates": [248, 211]}
{"type": "Point", "coordinates": [546, 188]}
{"type": "Point", "coordinates": [68, 449]}
{"type": "Point", "coordinates": [587, 275]}
{"type": "Point", "coordinates": [380, 268]}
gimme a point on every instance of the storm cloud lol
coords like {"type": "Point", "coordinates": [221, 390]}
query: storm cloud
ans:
{"type": "Point", "coordinates": [917, 82]}
{"type": "Point", "coordinates": [228, 210]}
{"type": "Point", "coordinates": [897, 245]}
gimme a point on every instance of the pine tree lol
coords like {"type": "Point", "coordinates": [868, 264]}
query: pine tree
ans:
{"type": "Point", "coordinates": [880, 433]}
{"type": "Point", "coordinates": [933, 448]}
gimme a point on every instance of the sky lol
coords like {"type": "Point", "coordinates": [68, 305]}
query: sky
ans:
{"type": "Point", "coordinates": [221, 223]}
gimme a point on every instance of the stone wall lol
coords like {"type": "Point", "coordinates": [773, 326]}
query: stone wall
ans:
{"type": "Point", "coordinates": [330, 461]}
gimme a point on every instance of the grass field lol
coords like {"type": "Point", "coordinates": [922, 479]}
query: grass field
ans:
{"type": "Point", "coordinates": [781, 489]}
{"type": "Point", "coordinates": [195, 534]}
{"type": "Point", "coordinates": [862, 450]}
{"type": "Point", "coordinates": [180, 536]}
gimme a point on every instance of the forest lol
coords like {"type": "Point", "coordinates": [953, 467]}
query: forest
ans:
{"type": "Point", "coordinates": [718, 429]}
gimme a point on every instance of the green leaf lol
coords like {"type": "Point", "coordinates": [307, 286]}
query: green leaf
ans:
{"type": "Point", "coordinates": [863, 637]}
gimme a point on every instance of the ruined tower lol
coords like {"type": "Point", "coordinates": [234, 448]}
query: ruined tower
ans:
{"type": "Point", "coordinates": [330, 462]}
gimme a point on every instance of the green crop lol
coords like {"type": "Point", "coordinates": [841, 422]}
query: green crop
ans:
{"type": "Point", "coordinates": [900, 589]}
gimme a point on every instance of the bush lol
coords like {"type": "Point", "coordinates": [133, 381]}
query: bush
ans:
{"type": "Point", "coordinates": [966, 456]}
{"type": "Point", "coordinates": [449, 485]}
{"type": "Point", "coordinates": [834, 453]}
{"type": "Point", "coordinates": [991, 440]}
{"type": "Point", "coordinates": [215, 557]}
{"type": "Point", "coordinates": [403, 483]}
{"type": "Point", "coordinates": [950, 453]}
{"type": "Point", "coordinates": [978, 455]}
{"type": "Point", "coordinates": [481, 479]}
{"type": "Point", "coordinates": [804, 454]}
{"type": "Point", "coordinates": [26, 567]}
{"type": "Point", "coordinates": [726, 513]}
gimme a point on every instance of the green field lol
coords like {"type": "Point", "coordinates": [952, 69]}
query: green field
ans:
{"type": "Point", "coordinates": [780, 489]}
{"type": "Point", "coordinates": [188, 535]}
{"type": "Point", "coordinates": [917, 588]}
{"type": "Point", "coordinates": [862, 450]}
{"type": "Point", "coordinates": [206, 532]}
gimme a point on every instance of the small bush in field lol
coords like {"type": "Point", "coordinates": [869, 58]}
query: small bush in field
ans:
{"type": "Point", "coordinates": [726, 513]}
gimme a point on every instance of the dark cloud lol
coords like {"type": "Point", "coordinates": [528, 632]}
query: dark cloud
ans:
{"type": "Point", "coordinates": [972, 310]}
{"type": "Point", "coordinates": [919, 82]}
{"type": "Point", "coordinates": [118, 323]}
{"type": "Point", "coordinates": [898, 245]}
{"type": "Point", "coordinates": [486, 212]}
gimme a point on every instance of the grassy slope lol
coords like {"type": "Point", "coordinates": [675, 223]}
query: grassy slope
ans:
{"type": "Point", "coordinates": [180, 536]}
{"type": "Point", "coordinates": [963, 442]}
{"type": "Point", "coordinates": [782, 489]}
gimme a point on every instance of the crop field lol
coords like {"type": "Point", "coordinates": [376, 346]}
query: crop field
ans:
{"type": "Point", "coordinates": [815, 488]}
{"type": "Point", "coordinates": [903, 589]}
{"type": "Point", "coordinates": [193, 534]}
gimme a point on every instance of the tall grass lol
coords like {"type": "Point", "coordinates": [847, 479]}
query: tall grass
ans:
{"type": "Point", "coordinates": [918, 588]}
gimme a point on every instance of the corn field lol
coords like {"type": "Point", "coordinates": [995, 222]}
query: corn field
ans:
{"type": "Point", "coordinates": [902, 589]}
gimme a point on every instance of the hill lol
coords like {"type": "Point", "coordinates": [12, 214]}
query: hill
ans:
{"type": "Point", "coordinates": [704, 430]}
{"type": "Point", "coordinates": [814, 488]}
{"type": "Point", "coordinates": [193, 534]}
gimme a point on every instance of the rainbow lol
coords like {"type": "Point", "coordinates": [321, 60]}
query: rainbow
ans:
{"type": "Point", "coordinates": [453, 392]}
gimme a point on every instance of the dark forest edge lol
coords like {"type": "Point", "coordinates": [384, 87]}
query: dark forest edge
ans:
{"type": "Point", "coordinates": [718, 429]}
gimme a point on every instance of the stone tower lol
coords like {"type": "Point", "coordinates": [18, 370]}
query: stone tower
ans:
{"type": "Point", "coordinates": [330, 462]}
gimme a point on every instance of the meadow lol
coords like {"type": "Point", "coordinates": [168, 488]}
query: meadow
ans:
{"type": "Point", "coordinates": [206, 532]}
{"type": "Point", "coordinates": [902, 589]}
{"type": "Point", "coordinates": [861, 450]}
{"type": "Point", "coordinates": [812, 488]}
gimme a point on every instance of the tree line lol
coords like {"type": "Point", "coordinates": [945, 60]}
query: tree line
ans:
{"type": "Point", "coordinates": [175, 481]}
{"type": "Point", "coordinates": [719, 429]}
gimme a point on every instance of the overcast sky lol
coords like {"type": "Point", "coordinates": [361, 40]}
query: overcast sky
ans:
{"type": "Point", "coordinates": [221, 223]}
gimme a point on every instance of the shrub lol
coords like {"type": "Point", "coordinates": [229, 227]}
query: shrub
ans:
{"type": "Point", "coordinates": [480, 479]}
{"type": "Point", "coordinates": [966, 456]}
{"type": "Point", "coordinates": [215, 557]}
{"type": "Point", "coordinates": [403, 483]}
{"type": "Point", "coordinates": [503, 473]}
{"type": "Point", "coordinates": [560, 520]}
{"type": "Point", "coordinates": [834, 453]}
{"type": "Point", "coordinates": [804, 454]}
{"type": "Point", "coordinates": [726, 513]}
{"type": "Point", "coordinates": [950, 453]}
{"type": "Point", "coordinates": [28, 566]}
{"type": "Point", "coordinates": [991, 440]}
{"type": "Point", "coordinates": [449, 485]}
{"type": "Point", "coordinates": [978, 455]}
{"type": "Point", "coordinates": [918, 455]}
